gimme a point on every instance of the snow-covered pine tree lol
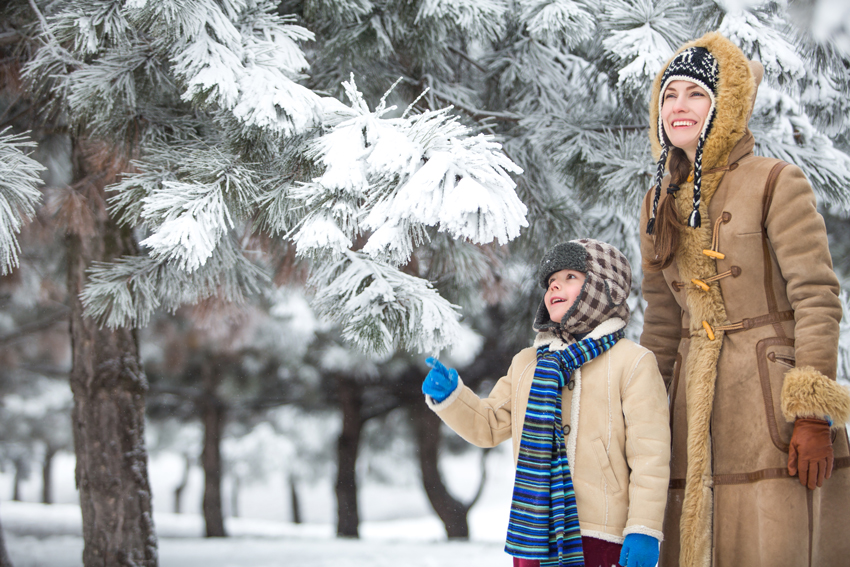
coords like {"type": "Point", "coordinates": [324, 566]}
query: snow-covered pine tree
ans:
{"type": "Point", "coordinates": [562, 83]}
{"type": "Point", "coordinates": [205, 96]}
{"type": "Point", "coordinates": [19, 193]}
{"type": "Point", "coordinates": [581, 90]}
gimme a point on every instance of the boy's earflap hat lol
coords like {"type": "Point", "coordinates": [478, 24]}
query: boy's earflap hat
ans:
{"type": "Point", "coordinates": [608, 280]}
{"type": "Point", "coordinates": [696, 65]}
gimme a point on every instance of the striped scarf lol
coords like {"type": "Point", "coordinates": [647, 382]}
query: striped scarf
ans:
{"type": "Point", "coordinates": [543, 523]}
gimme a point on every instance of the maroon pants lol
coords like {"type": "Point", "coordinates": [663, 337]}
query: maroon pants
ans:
{"type": "Point", "coordinates": [597, 553]}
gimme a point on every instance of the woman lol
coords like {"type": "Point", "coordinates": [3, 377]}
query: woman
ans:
{"type": "Point", "coordinates": [742, 315]}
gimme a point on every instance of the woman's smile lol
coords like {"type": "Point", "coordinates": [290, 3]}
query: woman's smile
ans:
{"type": "Point", "coordinates": [684, 110]}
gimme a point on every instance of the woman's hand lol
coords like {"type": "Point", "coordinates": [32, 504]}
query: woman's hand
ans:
{"type": "Point", "coordinates": [810, 452]}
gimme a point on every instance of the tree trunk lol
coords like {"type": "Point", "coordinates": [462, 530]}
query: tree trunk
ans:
{"type": "Point", "coordinates": [109, 390]}
{"type": "Point", "coordinates": [350, 394]}
{"type": "Point", "coordinates": [46, 473]}
{"type": "Point", "coordinates": [16, 482]}
{"type": "Point", "coordinates": [178, 491]}
{"type": "Point", "coordinates": [4, 557]}
{"type": "Point", "coordinates": [452, 512]}
{"type": "Point", "coordinates": [212, 415]}
{"type": "Point", "coordinates": [295, 502]}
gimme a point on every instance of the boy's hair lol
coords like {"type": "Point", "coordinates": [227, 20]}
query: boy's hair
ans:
{"type": "Point", "coordinates": [608, 281]}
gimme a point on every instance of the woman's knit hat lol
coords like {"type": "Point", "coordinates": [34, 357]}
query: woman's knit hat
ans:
{"type": "Point", "coordinates": [608, 280]}
{"type": "Point", "coordinates": [696, 65]}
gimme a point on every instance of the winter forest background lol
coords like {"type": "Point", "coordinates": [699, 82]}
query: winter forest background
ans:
{"type": "Point", "coordinates": [236, 228]}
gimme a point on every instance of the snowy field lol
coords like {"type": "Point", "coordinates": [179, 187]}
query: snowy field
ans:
{"type": "Point", "coordinates": [48, 536]}
{"type": "Point", "coordinates": [399, 528]}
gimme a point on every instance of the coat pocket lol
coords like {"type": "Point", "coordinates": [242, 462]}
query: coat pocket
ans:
{"type": "Point", "coordinates": [775, 357]}
{"type": "Point", "coordinates": [605, 464]}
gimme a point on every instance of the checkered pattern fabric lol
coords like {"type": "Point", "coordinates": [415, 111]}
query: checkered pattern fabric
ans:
{"type": "Point", "coordinates": [696, 65]}
{"type": "Point", "coordinates": [603, 295]}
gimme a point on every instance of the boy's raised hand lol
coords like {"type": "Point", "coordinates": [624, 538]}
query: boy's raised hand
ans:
{"type": "Point", "coordinates": [440, 381]}
{"type": "Point", "coordinates": [639, 550]}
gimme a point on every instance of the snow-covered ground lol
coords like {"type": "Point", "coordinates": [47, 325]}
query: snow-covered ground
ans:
{"type": "Point", "coordinates": [47, 536]}
{"type": "Point", "coordinates": [398, 529]}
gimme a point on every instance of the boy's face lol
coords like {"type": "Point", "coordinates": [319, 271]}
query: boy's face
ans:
{"type": "Point", "coordinates": [564, 287]}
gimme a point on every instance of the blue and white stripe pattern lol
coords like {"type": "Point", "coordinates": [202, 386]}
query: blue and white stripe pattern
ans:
{"type": "Point", "coordinates": [543, 522]}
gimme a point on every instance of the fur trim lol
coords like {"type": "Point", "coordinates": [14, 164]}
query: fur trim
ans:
{"type": "Point", "coordinates": [808, 393]}
{"type": "Point", "coordinates": [575, 407]}
{"type": "Point", "coordinates": [637, 529]}
{"type": "Point", "coordinates": [606, 328]}
{"type": "Point", "coordinates": [736, 87]}
{"type": "Point", "coordinates": [566, 256]}
{"type": "Point", "coordinates": [551, 339]}
{"type": "Point", "coordinates": [603, 536]}
{"type": "Point", "coordinates": [556, 343]}
{"type": "Point", "coordinates": [439, 406]}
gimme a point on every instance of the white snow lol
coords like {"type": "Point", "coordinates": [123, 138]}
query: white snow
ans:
{"type": "Point", "coordinates": [399, 529]}
{"type": "Point", "coordinates": [49, 536]}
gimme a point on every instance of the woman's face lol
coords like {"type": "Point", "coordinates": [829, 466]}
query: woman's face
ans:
{"type": "Point", "coordinates": [564, 287]}
{"type": "Point", "coordinates": [684, 110]}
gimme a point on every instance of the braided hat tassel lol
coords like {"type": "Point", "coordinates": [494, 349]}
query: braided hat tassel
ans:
{"type": "Point", "coordinates": [659, 177]}
{"type": "Point", "coordinates": [694, 220]}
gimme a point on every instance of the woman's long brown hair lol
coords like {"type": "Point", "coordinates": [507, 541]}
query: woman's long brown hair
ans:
{"type": "Point", "coordinates": [667, 223]}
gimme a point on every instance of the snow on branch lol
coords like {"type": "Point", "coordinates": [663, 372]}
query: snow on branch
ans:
{"type": "Point", "coordinates": [189, 195]}
{"type": "Point", "coordinates": [758, 41]}
{"type": "Point", "coordinates": [127, 292]}
{"type": "Point", "coordinates": [195, 218]}
{"type": "Point", "coordinates": [643, 36]}
{"type": "Point", "coordinates": [554, 21]}
{"type": "Point", "coordinates": [243, 57]}
{"type": "Point", "coordinates": [19, 194]}
{"type": "Point", "coordinates": [644, 48]}
{"type": "Point", "coordinates": [476, 18]}
{"type": "Point", "coordinates": [380, 308]}
{"type": "Point", "coordinates": [391, 177]}
{"type": "Point", "coordinates": [783, 131]}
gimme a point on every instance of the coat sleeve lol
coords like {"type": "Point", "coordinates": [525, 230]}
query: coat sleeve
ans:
{"type": "Point", "coordinates": [647, 447]}
{"type": "Point", "coordinates": [483, 422]}
{"type": "Point", "coordinates": [662, 319]}
{"type": "Point", "coordinates": [797, 234]}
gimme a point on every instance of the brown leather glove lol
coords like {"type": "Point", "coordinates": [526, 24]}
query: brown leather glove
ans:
{"type": "Point", "coordinates": [810, 452]}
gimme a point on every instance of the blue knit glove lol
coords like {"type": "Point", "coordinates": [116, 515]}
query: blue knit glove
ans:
{"type": "Point", "coordinates": [440, 381]}
{"type": "Point", "coordinates": [639, 550]}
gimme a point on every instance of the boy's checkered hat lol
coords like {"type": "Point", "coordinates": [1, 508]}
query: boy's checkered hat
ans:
{"type": "Point", "coordinates": [603, 295]}
{"type": "Point", "coordinates": [696, 65]}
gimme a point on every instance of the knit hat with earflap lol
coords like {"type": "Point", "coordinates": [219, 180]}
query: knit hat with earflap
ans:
{"type": "Point", "coordinates": [608, 280]}
{"type": "Point", "coordinates": [696, 65]}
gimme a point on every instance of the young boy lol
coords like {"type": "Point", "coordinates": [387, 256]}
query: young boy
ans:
{"type": "Point", "coordinates": [586, 410]}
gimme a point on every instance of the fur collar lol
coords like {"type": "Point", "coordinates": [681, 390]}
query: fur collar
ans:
{"type": "Point", "coordinates": [556, 343]}
{"type": "Point", "coordinates": [729, 139]}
